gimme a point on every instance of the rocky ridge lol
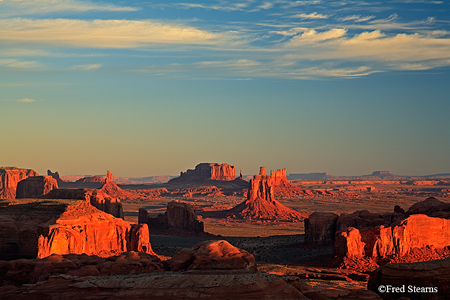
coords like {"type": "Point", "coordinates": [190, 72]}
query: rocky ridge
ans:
{"type": "Point", "coordinates": [10, 177]}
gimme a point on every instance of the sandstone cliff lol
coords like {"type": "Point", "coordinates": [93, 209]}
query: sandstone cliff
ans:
{"type": "Point", "coordinates": [39, 228]}
{"type": "Point", "coordinates": [57, 177]}
{"type": "Point", "coordinates": [206, 172]}
{"type": "Point", "coordinates": [261, 203]}
{"type": "Point", "coordinates": [179, 217]}
{"type": "Point", "coordinates": [35, 186]}
{"type": "Point", "coordinates": [10, 177]}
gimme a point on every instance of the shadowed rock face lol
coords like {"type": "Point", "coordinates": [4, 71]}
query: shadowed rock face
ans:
{"type": "Point", "coordinates": [10, 177]}
{"type": "Point", "coordinates": [320, 228]}
{"type": "Point", "coordinates": [39, 228]}
{"type": "Point", "coordinates": [213, 255]}
{"type": "Point", "coordinates": [261, 203]}
{"type": "Point", "coordinates": [206, 172]}
{"type": "Point", "coordinates": [35, 186]}
{"type": "Point", "coordinates": [56, 176]}
{"type": "Point", "coordinates": [179, 216]}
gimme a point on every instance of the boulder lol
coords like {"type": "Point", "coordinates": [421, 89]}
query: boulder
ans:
{"type": "Point", "coordinates": [35, 186]}
{"type": "Point", "coordinates": [10, 177]}
{"type": "Point", "coordinates": [320, 228]}
{"type": "Point", "coordinates": [206, 172]}
{"type": "Point", "coordinates": [213, 255]}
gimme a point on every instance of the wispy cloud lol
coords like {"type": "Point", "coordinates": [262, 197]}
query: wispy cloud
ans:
{"type": "Point", "coordinates": [11, 8]}
{"type": "Point", "coordinates": [313, 15]}
{"type": "Point", "coordinates": [86, 67]}
{"type": "Point", "coordinates": [19, 64]}
{"type": "Point", "coordinates": [104, 33]}
{"type": "Point", "coordinates": [26, 100]}
{"type": "Point", "coordinates": [357, 18]}
{"type": "Point", "coordinates": [312, 36]}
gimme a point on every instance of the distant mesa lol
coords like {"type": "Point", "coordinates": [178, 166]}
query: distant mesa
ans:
{"type": "Point", "coordinates": [10, 177]}
{"type": "Point", "coordinates": [382, 174]}
{"type": "Point", "coordinates": [179, 218]}
{"type": "Point", "coordinates": [35, 186]}
{"type": "Point", "coordinates": [91, 179]}
{"type": "Point", "coordinates": [206, 172]}
{"type": "Point", "coordinates": [261, 203]}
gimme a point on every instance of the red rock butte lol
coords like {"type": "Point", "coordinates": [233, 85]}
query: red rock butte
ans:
{"type": "Point", "coordinates": [206, 172]}
{"type": "Point", "coordinates": [39, 228]}
{"type": "Point", "coordinates": [261, 203]}
{"type": "Point", "coordinates": [10, 177]}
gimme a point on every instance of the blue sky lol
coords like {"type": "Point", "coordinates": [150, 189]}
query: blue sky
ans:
{"type": "Point", "coordinates": [155, 87]}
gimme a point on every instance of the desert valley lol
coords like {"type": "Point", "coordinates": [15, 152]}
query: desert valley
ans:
{"type": "Point", "coordinates": [214, 234]}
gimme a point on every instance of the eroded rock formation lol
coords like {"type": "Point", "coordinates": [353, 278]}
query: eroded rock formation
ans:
{"type": "Point", "coordinates": [10, 177]}
{"type": "Point", "coordinates": [261, 203]}
{"type": "Point", "coordinates": [179, 217]}
{"type": "Point", "coordinates": [39, 228]}
{"type": "Point", "coordinates": [111, 188]}
{"type": "Point", "coordinates": [320, 228]}
{"type": "Point", "coordinates": [97, 198]}
{"type": "Point", "coordinates": [57, 177]}
{"type": "Point", "coordinates": [398, 236]}
{"type": "Point", "coordinates": [35, 186]}
{"type": "Point", "coordinates": [213, 255]}
{"type": "Point", "coordinates": [206, 172]}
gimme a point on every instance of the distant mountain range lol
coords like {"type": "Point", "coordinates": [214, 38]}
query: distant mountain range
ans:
{"type": "Point", "coordinates": [374, 175]}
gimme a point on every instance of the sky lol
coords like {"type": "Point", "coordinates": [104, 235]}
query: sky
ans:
{"type": "Point", "coordinates": [145, 88]}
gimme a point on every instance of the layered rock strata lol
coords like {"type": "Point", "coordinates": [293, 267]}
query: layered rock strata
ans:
{"type": "Point", "coordinates": [35, 186]}
{"type": "Point", "coordinates": [179, 217]}
{"type": "Point", "coordinates": [206, 172]}
{"type": "Point", "coordinates": [10, 177]}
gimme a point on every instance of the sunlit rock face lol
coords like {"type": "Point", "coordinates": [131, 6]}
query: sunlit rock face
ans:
{"type": "Point", "coordinates": [39, 228]}
{"type": "Point", "coordinates": [10, 177]}
{"type": "Point", "coordinates": [35, 186]}
{"type": "Point", "coordinates": [206, 172]}
{"type": "Point", "coordinates": [261, 203]}
{"type": "Point", "coordinates": [399, 236]}
{"type": "Point", "coordinates": [179, 216]}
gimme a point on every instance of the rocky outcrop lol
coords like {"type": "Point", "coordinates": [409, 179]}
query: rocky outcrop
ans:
{"type": "Point", "coordinates": [206, 172]}
{"type": "Point", "coordinates": [416, 231]}
{"type": "Point", "coordinates": [35, 186]}
{"type": "Point", "coordinates": [397, 236]}
{"type": "Point", "coordinates": [320, 228]}
{"type": "Point", "coordinates": [261, 203]}
{"type": "Point", "coordinates": [96, 198]}
{"type": "Point", "coordinates": [112, 189]}
{"type": "Point", "coordinates": [423, 280]}
{"type": "Point", "coordinates": [10, 177]}
{"type": "Point", "coordinates": [179, 217]}
{"type": "Point", "coordinates": [279, 177]}
{"type": "Point", "coordinates": [213, 255]}
{"type": "Point", "coordinates": [40, 228]}
{"type": "Point", "coordinates": [91, 179]}
{"type": "Point", "coordinates": [57, 177]}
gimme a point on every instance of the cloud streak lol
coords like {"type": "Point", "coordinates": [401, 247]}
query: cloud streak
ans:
{"type": "Point", "coordinates": [26, 100]}
{"type": "Point", "coordinates": [104, 33]}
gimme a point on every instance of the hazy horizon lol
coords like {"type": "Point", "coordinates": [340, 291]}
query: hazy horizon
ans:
{"type": "Point", "coordinates": [154, 88]}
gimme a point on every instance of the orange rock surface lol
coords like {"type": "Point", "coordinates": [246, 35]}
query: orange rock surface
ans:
{"type": "Point", "coordinates": [84, 229]}
{"type": "Point", "coordinates": [10, 177]}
